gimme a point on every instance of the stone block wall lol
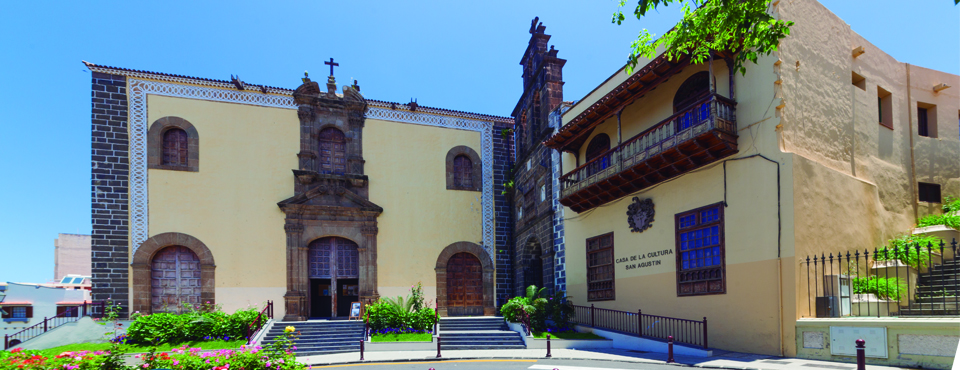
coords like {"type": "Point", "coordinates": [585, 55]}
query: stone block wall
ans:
{"type": "Point", "coordinates": [109, 185]}
{"type": "Point", "coordinates": [502, 164]}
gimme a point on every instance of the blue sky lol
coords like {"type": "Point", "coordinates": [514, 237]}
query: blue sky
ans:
{"type": "Point", "coordinates": [452, 54]}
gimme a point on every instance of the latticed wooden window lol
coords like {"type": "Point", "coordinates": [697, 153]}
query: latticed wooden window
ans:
{"type": "Point", "coordinates": [700, 251]}
{"type": "Point", "coordinates": [600, 274]}
{"type": "Point", "coordinates": [333, 157]}
{"type": "Point", "coordinates": [175, 147]}
{"type": "Point", "coordinates": [462, 172]}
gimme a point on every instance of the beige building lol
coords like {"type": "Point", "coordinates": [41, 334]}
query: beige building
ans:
{"type": "Point", "coordinates": [692, 191]}
{"type": "Point", "coordinates": [315, 197]}
{"type": "Point", "coordinates": [71, 255]}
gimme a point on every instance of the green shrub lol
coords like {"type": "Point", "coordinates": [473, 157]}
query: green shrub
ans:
{"type": "Point", "coordinates": [884, 287]}
{"type": "Point", "coordinates": [904, 249]}
{"type": "Point", "coordinates": [951, 204]}
{"type": "Point", "coordinates": [400, 313]}
{"type": "Point", "coordinates": [192, 325]}
{"type": "Point", "coordinates": [528, 310]}
{"type": "Point", "coordinates": [948, 220]}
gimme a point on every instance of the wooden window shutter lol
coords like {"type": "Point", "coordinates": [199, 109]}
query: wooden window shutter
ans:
{"type": "Point", "coordinates": [7, 312]}
{"type": "Point", "coordinates": [175, 147]}
{"type": "Point", "coordinates": [29, 312]}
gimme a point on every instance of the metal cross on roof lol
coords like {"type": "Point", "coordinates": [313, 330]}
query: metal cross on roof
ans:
{"type": "Point", "coordinates": [331, 64]}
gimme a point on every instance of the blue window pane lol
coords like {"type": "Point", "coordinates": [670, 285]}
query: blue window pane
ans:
{"type": "Point", "coordinates": [686, 264]}
{"type": "Point", "coordinates": [700, 253]}
{"type": "Point", "coordinates": [716, 240]}
{"type": "Point", "coordinates": [716, 260]}
{"type": "Point", "coordinates": [708, 252]}
{"type": "Point", "coordinates": [716, 251]}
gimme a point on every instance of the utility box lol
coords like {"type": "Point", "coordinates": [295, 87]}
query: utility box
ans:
{"type": "Point", "coordinates": [838, 288]}
{"type": "Point", "coordinates": [843, 341]}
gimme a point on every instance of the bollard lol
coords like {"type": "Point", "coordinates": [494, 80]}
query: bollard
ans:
{"type": "Point", "coordinates": [670, 350]}
{"type": "Point", "coordinates": [861, 355]}
{"type": "Point", "coordinates": [548, 345]}
{"type": "Point", "coordinates": [361, 350]}
{"type": "Point", "coordinates": [438, 346]}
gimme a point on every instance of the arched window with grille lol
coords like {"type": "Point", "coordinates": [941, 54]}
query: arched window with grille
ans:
{"type": "Point", "coordinates": [333, 157]}
{"type": "Point", "coordinates": [463, 171]}
{"type": "Point", "coordinates": [175, 147]}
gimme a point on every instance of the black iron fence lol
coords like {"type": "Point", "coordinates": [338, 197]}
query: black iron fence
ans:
{"type": "Point", "coordinates": [68, 315]}
{"type": "Point", "coordinates": [685, 331]}
{"type": "Point", "coordinates": [909, 279]}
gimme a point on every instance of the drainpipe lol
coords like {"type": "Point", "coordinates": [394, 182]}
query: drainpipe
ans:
{"type": "Point", "coordinates": [913, 162]}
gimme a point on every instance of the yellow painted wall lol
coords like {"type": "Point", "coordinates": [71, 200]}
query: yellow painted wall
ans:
{"type": "Point", "coordinates": [246, 155]}
{"type": "Point", "coordinates": [406, 164]}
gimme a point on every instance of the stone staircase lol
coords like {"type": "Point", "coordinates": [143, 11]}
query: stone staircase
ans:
{"type": "Point", "coordinates": [938, 291]}
{"type": "Point", "coordinates": [320, 337]}
{"type": "Point", "coordinates": [478, 333]}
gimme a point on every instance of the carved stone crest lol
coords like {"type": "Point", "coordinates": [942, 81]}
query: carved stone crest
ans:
{"type": "Point", "coordinates": [640, 214]}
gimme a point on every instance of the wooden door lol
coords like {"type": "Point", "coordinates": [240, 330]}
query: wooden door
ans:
{"type": "Point", "coordinates": [464, 285]}
{"type": "Point", "coordinates": [175, 279]}
{"type": "Point", "coordinates": [333, 158]}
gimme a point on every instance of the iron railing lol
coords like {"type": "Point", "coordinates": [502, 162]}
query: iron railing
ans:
{"type": "Point", "coordinates": [685, 331]}
{"type": "Point", "coordinates": [909, 280]}
{"type": "Point", "coordinates": [714, 112]}
{"type": "Point", "coordinates": [68, 315]}
{"type": "Point", "coordinates": [265, 314]}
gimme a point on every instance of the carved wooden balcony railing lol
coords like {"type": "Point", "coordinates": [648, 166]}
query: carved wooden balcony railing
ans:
{"type": "Point", "coordinates": [699, 135]}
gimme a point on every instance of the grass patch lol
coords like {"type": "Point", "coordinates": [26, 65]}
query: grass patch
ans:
{"type": "Point", "coordinates": [567, 335]}
{"type": "Point", "coordinates": [404, 337]}
{"type": "Point", "coordinates": [131, 348]}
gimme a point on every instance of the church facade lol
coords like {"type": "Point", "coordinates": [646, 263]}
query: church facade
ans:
{"type": "Point", "coordinates": [693, 191]}
{"type": "Point", "coordinates": [234, 194]}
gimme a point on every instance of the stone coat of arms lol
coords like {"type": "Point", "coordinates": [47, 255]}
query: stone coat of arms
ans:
{"type": "Point", "coordinates": [640, 214]}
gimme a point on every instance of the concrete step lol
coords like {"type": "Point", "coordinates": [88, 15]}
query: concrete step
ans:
{"type": "Point", "coordinates": [481, 346]}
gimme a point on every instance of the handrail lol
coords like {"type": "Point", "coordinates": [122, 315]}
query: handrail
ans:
{"type": "Point", "coordinates": [267, 311]}
{"type": "Point", "coordinates": [693, 332]}
{"type": "Point", "coordinates": [717, 113]}
{"type": "Point", "coordinates": [660, 124]}
{"type": "Point", "coordinates": [69, 315]}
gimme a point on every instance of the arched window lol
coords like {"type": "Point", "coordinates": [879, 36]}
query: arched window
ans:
{"type": "Point", "coordinates": [175, 147]}
{"type": "Point", "coordinates": [599, 145]}
{"type": "Point", "coordinates": [694, 89]}
{"type": "Point", "coordinates": [333, 158]}
{"type": "Point", "coordinates": [462, 171]}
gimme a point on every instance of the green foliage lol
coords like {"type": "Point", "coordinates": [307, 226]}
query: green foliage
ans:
{"type": "Point", "coordinates": [528, 310]}
{"type": "Point", "coordinates": [904, 249]}
{"type": "Point", "coordinates": [196, 323]}
{"type": "Point", "coordinates": [558, 309]}
{"type": "Point", "coordinates": [884, 287]}
{"type": "Point", "coordinates": [741, 26]}
{"type": "Point", "coordinates": [399, 313]}
{"type": "Point", "coordinates": [567, 335]}
{"type": "Point", "coordinates": [951, 204]}
{"type": "Point", "coordinates": [948, 220]}
{"type": "Point", "coordinates": [402, 337]}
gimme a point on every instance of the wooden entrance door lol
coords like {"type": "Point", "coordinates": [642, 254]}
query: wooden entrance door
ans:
{"type": "Point", "coordinates": [333, 260]}
{"type": "Point", "coordinates": [464, 285]}
{"type": "Point", "coordinates": [175, 279]}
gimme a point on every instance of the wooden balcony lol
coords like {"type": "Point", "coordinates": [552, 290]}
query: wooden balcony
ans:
{"type": "Point", "coordinates": [697, 136]}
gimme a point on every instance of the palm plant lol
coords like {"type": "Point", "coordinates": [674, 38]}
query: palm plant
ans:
{"type": "Point", "coordinates": [526, 309]}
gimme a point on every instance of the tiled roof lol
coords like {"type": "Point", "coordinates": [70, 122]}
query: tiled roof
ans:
{"type": "Point", "coordinates": [278, 90]}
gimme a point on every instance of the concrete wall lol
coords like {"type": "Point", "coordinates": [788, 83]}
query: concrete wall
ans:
{"type": "Point", "coordinates": [42, 299]}
{"type": "Point", "coordinates": [246, 157]}
{"type": "Point", "coordinates": [928, 343]}
{"type": "Point", "coordinates": [71, 255]}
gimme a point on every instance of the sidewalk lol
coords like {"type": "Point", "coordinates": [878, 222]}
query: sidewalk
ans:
{"type": "Point", "coordinates": [720, 359]}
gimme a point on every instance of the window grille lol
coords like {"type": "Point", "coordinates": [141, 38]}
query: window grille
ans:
{"type": "Point", "coordinates": [175, 147]}
{"type": "Point", "coordinates": [600, 273]}
{"type": "Point", "coordinates": [700, 251]}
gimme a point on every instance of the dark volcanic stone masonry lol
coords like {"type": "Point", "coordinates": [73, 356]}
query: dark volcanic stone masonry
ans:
{"type": "Point", "coordinates": [109, 185]}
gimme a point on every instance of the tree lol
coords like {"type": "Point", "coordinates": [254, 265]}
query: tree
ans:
{"type": "Point", "coordinates": [743, 27]}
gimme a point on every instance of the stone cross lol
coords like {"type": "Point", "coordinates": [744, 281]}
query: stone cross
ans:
{"type": "Point", "coordinates": [331, 64]}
